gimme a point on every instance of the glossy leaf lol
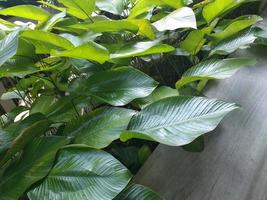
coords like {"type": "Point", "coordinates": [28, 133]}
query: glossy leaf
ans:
{"type": "Point", "coordinates": [158, 94]}
{"type": "Point", "coordinates": [231, 44]}
{"type": "Point", "coordinates": [25, 131]}
{"type": "Point", "coordinates": [141, 49]}
{"type": "Point", "coordinates": [81, 9]}
{"type": "Point", "coordinates": [143, 6]}
{"type": "Point", "coordinates": [111, 6]}
{"type": "Point", "coordinates": [27, 11]}
{"type": "Point", "coordinates": [30, 167]}
{"type": "Point", "coordinates": [177, 121]}
{"type": "Point", "coordinates": [214, 69]}
{"type": "Point", "coordinates": [8, 47]}
{"type": "Point", "coordinates": [138, 192]}
{"type": "Point", "coordinates": [181, 18]}
{"type": "Point", "coordinates": [81, 172]}
{"type": "Point", "coordinates": [53, 20]}
{"type": "Point", "coordinates": [100, 127]}
{"type": "Point", "coordinates": [91, 51]}
{"type": "Point", "coordinates": [117, 87]}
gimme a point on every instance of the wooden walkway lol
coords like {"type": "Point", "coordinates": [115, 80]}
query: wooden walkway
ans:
{"type": "Point", "coordinates": [233, 165]}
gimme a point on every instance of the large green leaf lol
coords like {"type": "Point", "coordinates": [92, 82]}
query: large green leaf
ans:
{"type": "Point", "coordinates": [27, 11]}
{"type": "Point", "coordinates": [83, 173]}
{"type": "Point", "coordinates": [180, 18]}
{"type": "Point", "coordinates": [178, 120]}
{"type": "Point", "coordinates": [218, 7]}
{"type": "Point", "coordinates": [158, 94]}
{"type": "Point", "coordinates": [143, 6]}
{"type": "Point", "coordinates": [141, 49]}
{"type": "Point", "coordinates": [214, 69]}
{"type": "Point", "coordinates": [34, 164]}
{"type": "Point", "coordinates": [53, 20]}
{"type": "Point", "coordinates": [117, 87]}
{"type": "Point", "coordinates": [91, 51]}
{"type": "Point", "coordinates": [47, 37]}
{"type": "Point", "coordinates": [31, 127]}
{"type": "Point", "coordinates": [231, 44]}
{"type": "Point", "coordinates": [81, 9]}
{"type": "Point", "coordinates": [8, 47]}
{"type": "Point", "coordinates": [140, 26]}
{"type": "Point", "coordinates": [235, 26]}
{"type": "Point", "coordinates": [138, 192]}
{"type": "Point", "coordinates": [193, 42]}
{"type": "Point", "coordinates": [100, 127]}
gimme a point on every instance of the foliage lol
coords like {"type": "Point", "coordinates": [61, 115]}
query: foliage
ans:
{"type": "Point", "coordinates": [96, 80]}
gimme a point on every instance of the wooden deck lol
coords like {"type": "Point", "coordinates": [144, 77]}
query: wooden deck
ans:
{"type": "Point", "coordinates": [233, 165]}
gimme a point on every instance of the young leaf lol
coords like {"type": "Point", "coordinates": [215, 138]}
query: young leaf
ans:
{"type": "Point", "coordinates": [141, 49]}
{"type": "Point", "coordinates": [100, 127]}
{"type": "Point", "coordinates": [81, 172]}
{"type": "Point", "coordinates": [138, 192]}
{"type": "Point", "coordinates": [81, 9]}
{"type": "Point", "coordinates": [177, 121]}
{"type": "Point", "coordinates": [28, 12]}
{"type": "Point", "coordinates": [235, 26]}
{"type": "Point", "coordinates": [140, 26]}
{"type": "Point", "coordinates": [91, 51]}
{"type": "Point", "coordinates": [117, 87]}
{"type": "Point", "coordinates": [143, 6]}
{"type": "Point", "coordinates": [34, 164]}
{"type": "Point", "coordinates": [181, 18]}
{"type": "Point", "coordinates": [214, 69]}
{"type": "Point", "coordinates": [47, 37]}
{"type": "Point", "coordinates": [8, 46]}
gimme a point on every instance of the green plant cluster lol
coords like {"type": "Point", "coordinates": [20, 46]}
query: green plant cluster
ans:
{"type": "Point", "coordinates": [89, 78]}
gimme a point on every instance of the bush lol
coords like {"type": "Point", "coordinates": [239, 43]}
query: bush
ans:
{"type": "Point", "coordinates": [97, 78]}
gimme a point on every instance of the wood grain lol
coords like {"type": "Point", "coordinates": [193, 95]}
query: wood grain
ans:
{"type": "Point", "coordinates": [233, 165]}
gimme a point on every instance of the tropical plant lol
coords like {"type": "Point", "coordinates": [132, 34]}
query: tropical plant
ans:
{"type": "Point", "coordinates": [99, 73]}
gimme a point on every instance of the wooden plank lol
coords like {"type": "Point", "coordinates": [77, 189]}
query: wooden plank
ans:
{"type": "Point", "coordinates": [234, 164]}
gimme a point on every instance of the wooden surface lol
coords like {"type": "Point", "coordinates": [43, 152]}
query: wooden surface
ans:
{"type": "Point", "coordinates": [233, 165]}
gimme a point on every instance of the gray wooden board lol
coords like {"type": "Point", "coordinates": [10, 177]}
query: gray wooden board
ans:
{"type": "Point", "coordinates": [233, 165]}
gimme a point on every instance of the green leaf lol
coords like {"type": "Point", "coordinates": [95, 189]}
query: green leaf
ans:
{"type": "Point", "coordinates": [83, 173]}
{"type": "Point", "coordinates": [141, 49]}
{"type": "Point", "coordinates": [28, 12]}
{"type": "Point", "coordinates": [177, 121]}
{"type": "Point", "coordinates": [193, 42]}
{"type": "Point", "coordinates": [46, 37]}
{"type": "Point", "coordinates": [180, 18]}
{"type": "Point", "coordinates": [91, 51]}
{"type": "Point", "coordinates": [235, 26]}
{"type": "Point", "coordinates": [158, 94]}
{"type": "Point", "coordinates": [218, 7]}
{"type": "Point", "coordinates": [15, 94]}
{"type": "Point", "coordinates": [8, 46]}
{"type": "Point", "coordinates": [140, 26]}
{"type": "Point", "coordinates": [31, 127]}
{"type": "Point", "coordinates": [214, 69]}
{"type": "Point", "coordinates": [231, 44]}
{"type": "Point", "coordinates": [138, 192]}
{"type": "Point", "coordinates": [34, 164]}
{"type": "Point", "coordinates": [198, 145]}
{"type": "Point", "coordinates": [81, 9]}
{"type": "Point", "coordinates": [112, 6]}
{"type": "Point", "coordinates": [117, 87]}
{"type": "Point", "coordinates": [100, 127]}
{"type": "Point", "coordinates": [143, 6]}
{"type": "Point", "coordinates": [143, 153]}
